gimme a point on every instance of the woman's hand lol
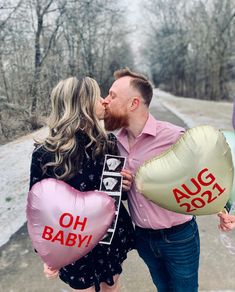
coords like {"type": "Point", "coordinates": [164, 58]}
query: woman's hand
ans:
{"type": "Point", "coordinates": [127, 179]}
{"type": "Point", "coordinates": [227, 222]}
{"type": "Point", "coordinates": [50, 273]}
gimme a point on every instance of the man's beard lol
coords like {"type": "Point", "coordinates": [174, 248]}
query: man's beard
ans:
{"type": "Point", "coordinates": [115, 121]}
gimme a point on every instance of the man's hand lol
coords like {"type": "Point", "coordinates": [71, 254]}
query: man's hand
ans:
{"type": "Point", "coordinates": [50, 273]}
{"type": "Point", "coordinates": [127, 179]}
{"type": "Point", "coordinates": [227, 222]}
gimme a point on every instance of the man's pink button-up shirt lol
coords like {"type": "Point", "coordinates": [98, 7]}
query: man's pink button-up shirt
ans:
{"type": "Point", "coordinates": [156, 137]}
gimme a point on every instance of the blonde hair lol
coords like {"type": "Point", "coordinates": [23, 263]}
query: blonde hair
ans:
{"type": "Point", "coordinates": [73, 111]}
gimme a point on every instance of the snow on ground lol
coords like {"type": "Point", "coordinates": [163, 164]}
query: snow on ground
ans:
{"type": "Point", "coordinates": [15, 156]}
{"type": "Point", "coordinates": [14, 180]}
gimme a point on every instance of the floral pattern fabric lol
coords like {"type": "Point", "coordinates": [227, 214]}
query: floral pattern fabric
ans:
{"type": "Point", "coordinates": [104, 261]}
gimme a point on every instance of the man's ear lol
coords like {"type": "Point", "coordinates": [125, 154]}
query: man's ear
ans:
{"type": "Point", "coordinates": [135, 103]}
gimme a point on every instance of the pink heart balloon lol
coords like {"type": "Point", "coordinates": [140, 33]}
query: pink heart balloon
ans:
{"type": "Point", "coordinates": [64, 224]}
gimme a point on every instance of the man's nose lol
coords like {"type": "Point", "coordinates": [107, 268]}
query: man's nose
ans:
{"type": "Point", "coordinates": [106, 100]}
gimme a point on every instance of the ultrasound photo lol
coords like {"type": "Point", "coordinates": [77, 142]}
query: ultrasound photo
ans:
{"type": "Point", "coordinates": [114, 163]}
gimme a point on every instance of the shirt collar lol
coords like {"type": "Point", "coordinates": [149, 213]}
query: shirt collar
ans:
{"type": "Point", "coordinates": [149, 128]}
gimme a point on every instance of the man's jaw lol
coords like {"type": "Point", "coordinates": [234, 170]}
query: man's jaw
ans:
{"type": "Point", "coordinates": [114, 122]}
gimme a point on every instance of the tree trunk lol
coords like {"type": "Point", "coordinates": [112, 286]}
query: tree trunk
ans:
{"type": "Point", "coordinates": [37, 64]}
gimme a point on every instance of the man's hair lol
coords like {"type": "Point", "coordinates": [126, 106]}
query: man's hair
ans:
{"type": "Point", "coordinates": [139, 82]}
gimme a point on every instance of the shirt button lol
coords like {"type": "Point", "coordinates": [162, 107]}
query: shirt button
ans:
{"type": "Point", "coordinates": [141, 205]}
{"type": "Point", "coordinates": [145, 220]}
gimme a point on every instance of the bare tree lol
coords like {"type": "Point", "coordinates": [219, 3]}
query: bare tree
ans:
{"type": "Point", "coordinates": [48, 40]}
{"type": "Point", "coordinates": [191, 45]}
{"type": "Point", "coordinates": [43, 8]}
{"type": "Point", "coordinates": [7, 13]}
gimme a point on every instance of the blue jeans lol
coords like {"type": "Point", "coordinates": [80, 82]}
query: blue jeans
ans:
{"type": "Point", "coordinates": [172, 256]}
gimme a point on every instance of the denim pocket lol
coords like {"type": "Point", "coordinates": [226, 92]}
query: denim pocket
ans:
{"type": "Point", "coordinates": [186, 234]}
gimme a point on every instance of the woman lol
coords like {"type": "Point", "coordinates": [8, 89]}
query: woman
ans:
{"type": "Point", "coordinates": [74, 152]}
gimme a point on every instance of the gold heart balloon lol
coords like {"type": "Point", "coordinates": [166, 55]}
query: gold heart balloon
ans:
{"type": "Point", "coordinates": [195, 176]}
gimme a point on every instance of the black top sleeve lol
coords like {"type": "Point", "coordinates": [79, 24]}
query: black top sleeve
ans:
{"type": "Point", "coordinates": [36, 172]}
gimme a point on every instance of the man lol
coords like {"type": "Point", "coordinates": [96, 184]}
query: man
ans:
{"type": "Point", "coordinates": [167, 242]}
